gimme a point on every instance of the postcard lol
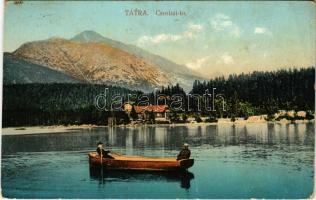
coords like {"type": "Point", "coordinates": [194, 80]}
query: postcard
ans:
{"type": "Point", "coordinates": [158, 100]}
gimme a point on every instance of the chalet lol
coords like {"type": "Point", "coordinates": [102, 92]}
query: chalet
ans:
{"type": "Point", "coordinates": [160, 111]}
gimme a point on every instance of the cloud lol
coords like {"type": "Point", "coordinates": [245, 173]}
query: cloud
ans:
{"type": "Point", "coordinates": [190, 33]}
{"type": "Point", "coordinates": [262, 30]}
{"type": "Point", "coordinates": [192, 30]}
{"type": "Point", "coordinates": [226, 59]}
{"type": "Point", "coordinates": [221, 22]}
{"type": "Point", "coordinates": [158, 38]}
{"type": "Point", "coordinates": [198, 63]}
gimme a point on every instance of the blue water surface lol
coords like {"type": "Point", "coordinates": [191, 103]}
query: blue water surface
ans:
{"type": "Point", "coordinates": [261, 160]}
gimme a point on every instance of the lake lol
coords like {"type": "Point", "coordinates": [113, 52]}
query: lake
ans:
{"type": "Point", "coordinates": [258, 160]}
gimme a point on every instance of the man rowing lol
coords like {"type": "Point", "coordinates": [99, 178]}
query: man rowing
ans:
{"type": "Point", "coordinates": [184, 153]}
{"type": "Point", "coordinates": [102, 152]}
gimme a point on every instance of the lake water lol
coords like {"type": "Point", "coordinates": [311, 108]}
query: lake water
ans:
{"type": "Point", "coordinates": [231, 161]}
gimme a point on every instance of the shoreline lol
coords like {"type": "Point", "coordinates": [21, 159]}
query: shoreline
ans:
{"type": "Point", "coordinates": [29, 130]}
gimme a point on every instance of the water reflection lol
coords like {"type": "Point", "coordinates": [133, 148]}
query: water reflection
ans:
{"type": "Point", "coordinates": [262, 160]}
{"type": "Point", "coordinates": [163, 136]}
{"type": "Point", "coordinates": [103, 176]}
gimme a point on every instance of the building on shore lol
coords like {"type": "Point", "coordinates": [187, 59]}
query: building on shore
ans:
{"type": "Point", "coordinates": [143, 112]}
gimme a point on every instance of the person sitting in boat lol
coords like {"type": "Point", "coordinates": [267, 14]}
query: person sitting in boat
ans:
{"type": "Point", "coordinates": [105, 154]}
{"type": "Point", "coordinates": [184, 153]}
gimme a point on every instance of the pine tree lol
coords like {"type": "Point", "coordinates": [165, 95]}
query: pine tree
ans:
{"type": "Point", "coordinates": [133, 113]}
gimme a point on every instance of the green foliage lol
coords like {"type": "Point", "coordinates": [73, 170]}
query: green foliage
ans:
{"type": "Point", "coordinates": [233, 119]}
{"type": "Point", "coordinates": [125, 118]}
{"type": "Point", "coordinates": [54, 104]}
{"type": "Point", "coordinates": [174, 117]}
{"type": "Point", "coordinates": [133, 113]}
{"type": "Point", "coordinates": [245, 110]}
{"type": "Point", "coordinates": [151, 117]}
{"type": "Point", "coordinates": [309, 115]}
{"type": "Point", "coordinates": [184, 117]}
{"type": "Point", "coordinates": [270, 117]}
{"type": "Point", "coordinates": [264, 92]}
{"type": "Point", "coordinates": [270, 107]}
{"type": "Point", "coordinates": [211, 119]}
{"type": "Point", "coordinates": [197, 118]}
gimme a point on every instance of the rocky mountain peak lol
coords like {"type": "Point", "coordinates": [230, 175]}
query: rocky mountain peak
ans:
{"type": "Point", "coordinates": [88, 36]}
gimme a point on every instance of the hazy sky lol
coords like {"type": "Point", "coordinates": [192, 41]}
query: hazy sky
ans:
{"type": "Point", "coordinates": [213, 38]}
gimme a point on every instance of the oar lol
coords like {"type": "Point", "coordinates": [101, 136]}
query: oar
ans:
{"type": "Point", "coordinates": [101, 156]}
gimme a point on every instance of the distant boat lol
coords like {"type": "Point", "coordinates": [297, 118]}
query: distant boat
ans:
{"type": "Point", "coordinates": [121, 162]}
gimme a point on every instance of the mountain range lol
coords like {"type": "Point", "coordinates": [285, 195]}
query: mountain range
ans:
{"type": "Point", "coordinates": [89, 57]}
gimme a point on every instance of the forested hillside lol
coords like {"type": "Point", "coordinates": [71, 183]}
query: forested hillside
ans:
{"type": "Point", "coordinates": [51, 104]}
{"type": "Point", "coordinates": [245, 95]}
{"type": "Point", "coordinates": [265, 92]}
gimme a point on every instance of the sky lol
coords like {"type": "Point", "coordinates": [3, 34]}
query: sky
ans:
{"type": "Point", "coordinates": [213, 38]}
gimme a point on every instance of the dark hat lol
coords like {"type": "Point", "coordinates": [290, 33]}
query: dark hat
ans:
{"type": "Point", "coordinates": [99, 143]}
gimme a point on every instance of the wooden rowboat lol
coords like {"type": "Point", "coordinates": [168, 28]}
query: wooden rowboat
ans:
{"type": "Point", "coordinates": [121, 162]}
